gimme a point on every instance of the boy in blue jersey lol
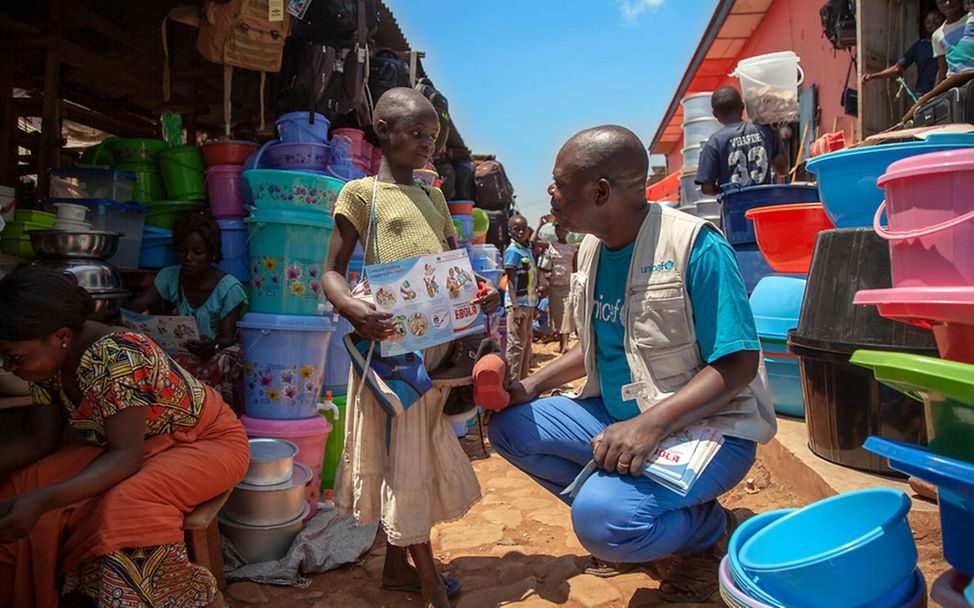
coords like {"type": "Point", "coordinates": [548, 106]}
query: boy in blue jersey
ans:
{"type": "Point", "coordinates": [666, 340]}
{"type": "Point", "coordinates": [741, 152]}
{"type": "Point", "coordinates": [520, 297]}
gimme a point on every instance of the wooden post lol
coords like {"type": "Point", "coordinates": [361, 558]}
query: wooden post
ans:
{"type": "Point", "coordinates": [8, 127]}
{"type": "Point", "coordinates": [48, 154]}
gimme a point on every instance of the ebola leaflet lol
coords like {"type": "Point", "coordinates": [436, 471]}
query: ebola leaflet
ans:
{"type": "Point", "coordinates": [429, 298]}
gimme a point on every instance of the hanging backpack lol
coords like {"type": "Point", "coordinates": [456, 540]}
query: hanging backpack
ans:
{"type": "Point", "coordinates": [326, 79]}
{"type": "Point", "coordinates": [387, 71]}
{"type": "Point", "coordinates": [439, 101]}
{"type": "Point", "coordinates": [335, 22]}
{"type": "Point", "coordinates": [494, 190]}
{"type": "Point", "coordinates": [466, 188]}
{"type": "Point", "coordinates": [839, 23]}
{"type": "Point", "coordinates": [448, 179]}
{"type": "Point", "coordinates": [497, 231]}
{"type": "Point", "coordinates": [247, 34]}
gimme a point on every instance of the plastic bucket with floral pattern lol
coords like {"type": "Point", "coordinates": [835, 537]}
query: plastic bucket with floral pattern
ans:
{"type": "Point", "coordinates": [287, 259]}
{"type": "Point", "coordinates": [293, 190]}
{"type": "Point", "coordinates": [284, 358]}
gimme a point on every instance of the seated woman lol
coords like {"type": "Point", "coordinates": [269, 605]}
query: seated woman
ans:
{"type": "Point", "coordinates": [197, 288]}
{"type": "Point", "coordinates": [100, 511]}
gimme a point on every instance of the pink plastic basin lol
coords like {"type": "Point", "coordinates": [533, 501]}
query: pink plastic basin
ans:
{"type": "Point", "coordinates": [949, 311]}
{"type": "Point", "coordinates": [309, 434]}
{"type": "Point", "coordinates": [930, 211]}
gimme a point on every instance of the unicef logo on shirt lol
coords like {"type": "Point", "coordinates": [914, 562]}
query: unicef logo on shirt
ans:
{"type": "Point", "coordinates": [666, 266]}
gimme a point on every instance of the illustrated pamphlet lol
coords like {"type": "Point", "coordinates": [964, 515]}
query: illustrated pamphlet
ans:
{"type": "Point", "coordinates": [677, 462]}
{"type": "Point", "coordinates": [429, 297]}
{"type": "Point", "coordinates": [171, 333]}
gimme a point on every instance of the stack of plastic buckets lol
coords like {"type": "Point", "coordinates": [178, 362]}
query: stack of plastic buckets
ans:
{"type": "Point", "coordinates": [739, 230]}
{"type": "Point", "coordinates": [698, 125]}
{"type": "Point", "coordinates": [286, 335]}
{"type": "Point", "coordinates": [777, 304]}
{"type": "Point", "coordinates": [931, 239]}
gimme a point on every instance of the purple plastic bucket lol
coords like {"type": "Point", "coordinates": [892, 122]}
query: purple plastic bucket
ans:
{"type": "Point", "coordinates": [297, 127]}
{"type": "Point", "coordinates": [225, 191]}
{"type": "Point", "coordinates": [296, 156]}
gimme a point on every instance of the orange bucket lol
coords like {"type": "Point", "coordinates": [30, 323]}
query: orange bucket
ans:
{"type": "Point", "coordinates": [786, 234]}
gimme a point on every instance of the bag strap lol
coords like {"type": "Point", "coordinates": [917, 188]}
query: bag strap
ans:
{"type": "Point", "coordinates": [373, 226]}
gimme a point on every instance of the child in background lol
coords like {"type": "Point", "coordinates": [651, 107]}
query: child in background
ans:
{"type": "Point", "coordinates": [409, 470]}
{"type": "Point", "coordinates": [561, 255]}
{"type": "Point", "coordinates": [520, 299]}
{"type": "Point", "coordinates": [197, 288]}
{"type": "Point", "coordinates": [953, 43]}
{"type": "Point", "coordinates": [741, 152]}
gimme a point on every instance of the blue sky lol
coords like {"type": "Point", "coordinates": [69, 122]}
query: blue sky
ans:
{"type": "Point", "coordinates": [523, 75]}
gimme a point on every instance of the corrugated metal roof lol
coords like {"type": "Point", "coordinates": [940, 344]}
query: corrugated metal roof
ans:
{"type": "Point", "coordinates": [731, 26]}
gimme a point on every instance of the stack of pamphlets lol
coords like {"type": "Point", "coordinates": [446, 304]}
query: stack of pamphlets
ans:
{"type": "Point", "coordinates": [677, 462]}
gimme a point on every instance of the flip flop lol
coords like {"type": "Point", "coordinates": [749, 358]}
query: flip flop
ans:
{"type": "Point", "coordinates": [453, 587]}
{"type": "Point", "coordinates": [488, 383]}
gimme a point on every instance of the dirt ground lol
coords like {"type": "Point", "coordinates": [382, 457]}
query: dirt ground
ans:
{"type": "Point", "coordinates": [516, 548]}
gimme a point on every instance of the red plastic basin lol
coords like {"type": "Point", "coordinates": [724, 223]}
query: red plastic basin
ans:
{"type": "Point", "coordinates": [786, 234]}
{"type": "Point", "coordinates": [227, 152]}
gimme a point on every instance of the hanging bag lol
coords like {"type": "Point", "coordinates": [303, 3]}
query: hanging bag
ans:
{"type": "Point", "coordinates": [850, 96]}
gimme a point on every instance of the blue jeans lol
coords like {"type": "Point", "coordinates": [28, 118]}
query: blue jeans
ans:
{"type": "Point", "coordinates": [617, 518]}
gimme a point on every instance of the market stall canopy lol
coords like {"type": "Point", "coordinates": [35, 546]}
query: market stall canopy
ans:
{"type": "Point", "coordinates": [733, 23]}
{"type": "Point", "coordinates": [105, 61]}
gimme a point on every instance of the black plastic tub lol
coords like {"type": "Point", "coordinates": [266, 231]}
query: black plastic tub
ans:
{"type": "Point", "coordinates": [844, 405]}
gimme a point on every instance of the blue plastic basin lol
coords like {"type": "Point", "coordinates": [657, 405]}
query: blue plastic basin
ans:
{"type": "Point", "coordinates": [847, 550]}
{"type": "Point", "coordinates": [955, 480]}
{"type": "Point", "coordinates": [847, 178]}
{"type": "Point", "coordinates": [743, 534]}
{"type": "Point", "coordinates": [784, 378]}
{"type": "Point", "coordinates": [777, 305]}
{"type": "Point", "coordinates": [735, 202]}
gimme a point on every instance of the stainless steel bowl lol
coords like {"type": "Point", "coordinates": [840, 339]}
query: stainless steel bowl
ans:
{"type": "Point", "coordinates": [108, 305]}
{"type": "Point", "coordinates": [61, 245]}
{"type": "Point", "coordinates": [269, 505]}
{"type": "Point", "coordinates": [271, 461]}
{"type": "Point", "coordinates": [257, 544]}
{"type": "Point", "coordinates": [95, 276]}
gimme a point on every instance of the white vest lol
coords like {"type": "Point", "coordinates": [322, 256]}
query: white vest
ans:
{"type": "Point", "coordinates": [661, 342]}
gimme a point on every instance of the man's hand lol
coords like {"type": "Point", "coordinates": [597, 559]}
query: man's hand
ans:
{"type": "Point", "coordinates": [18, 517]}
{"type": "Point", "coordinates": [624, 446]}
{"type": "Point", "coordinates": [522, 391]}
{"type": "Point", "coordinates": [368, 322]}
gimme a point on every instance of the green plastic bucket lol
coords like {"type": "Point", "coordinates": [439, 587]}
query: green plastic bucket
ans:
{"type": "Point", "coordinates": [182, 172]}
{"type": "Point", "coordinates": [334, 447]}
{"type": "Point", "coordinates": [149, 186]}
{"type": "Point", "coordinates": [138, 150]}
{"type": "Point", "coordinates": [163, 214]}
{"type": "Point", "coordinates": [99, 154]}
{"type": "Point", "coordinates": [946, 389]}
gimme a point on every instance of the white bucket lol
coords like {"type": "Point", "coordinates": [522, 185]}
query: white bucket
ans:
{"type": "Point", "coordinates": [697, 106]}
{"type": "Point", "coordinates": [699, 130]}
{"type": "Point", "coordinates": [769, 84]}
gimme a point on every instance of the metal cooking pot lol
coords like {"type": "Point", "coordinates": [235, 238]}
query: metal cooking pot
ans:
{"type": "Point", "coordinates": [94, 276]}
{"type": "Point", "coordinates": [271, 461]}
{"type": "Point", "coordinates": [61, 245]}
{"type": "Point", "coordinates": [269, 505]}
{"type": "Point", "coordinates": [257, 544]}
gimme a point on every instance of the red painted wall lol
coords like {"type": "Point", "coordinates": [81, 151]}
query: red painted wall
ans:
{"type": "Point", "coordinates": [794, 25]}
